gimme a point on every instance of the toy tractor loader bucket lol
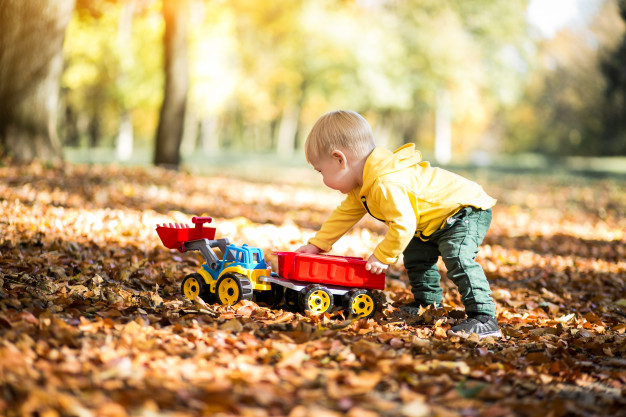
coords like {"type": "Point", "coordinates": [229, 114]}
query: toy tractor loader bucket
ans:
{"type": "Point", "coordinates": [175, 235]}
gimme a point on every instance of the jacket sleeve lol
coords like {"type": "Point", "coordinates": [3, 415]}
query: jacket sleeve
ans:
{"type": "Point", "coordinates": [346, 215]}
{"type": "Point", "coordinates": [401, 218]}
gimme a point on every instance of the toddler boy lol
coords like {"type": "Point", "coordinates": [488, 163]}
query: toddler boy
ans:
{"type": "Point", "coordinates": [430, 212]}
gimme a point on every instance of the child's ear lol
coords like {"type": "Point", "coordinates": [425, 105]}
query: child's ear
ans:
{"type": "Point", "coordinates": [340, 157]}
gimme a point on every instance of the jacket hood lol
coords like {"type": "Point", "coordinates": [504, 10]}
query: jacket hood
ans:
{"type": "Point", "coordinates": [382, 161]}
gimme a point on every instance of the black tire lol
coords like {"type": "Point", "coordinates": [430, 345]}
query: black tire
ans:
{"type": "Point", "coordinates": [232, 288]}
{"type": "Point", "coordinates": [194, 285]}
{"type": "Point", "coordinates": [272, 298]}
{"type": "Point", "coordinates": [360, 302]}
{"type": "Point", "coordinates": [291, 300]}
{"type": "Point", "coordinates": [317, 299]}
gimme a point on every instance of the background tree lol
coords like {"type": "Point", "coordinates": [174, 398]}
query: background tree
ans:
{"type": "Point", "coordinates": [172, 117]}
{"type": "Point", "coordinates": [261, 73]}
{"type": "Point", "coordinates": [31, 63]}
{"type": "Point", "coordinates": [569, 107]}
{"type": "Point", "coordinates": [112, 84]}
{"type": "Point", "coordinates": [614, 69]}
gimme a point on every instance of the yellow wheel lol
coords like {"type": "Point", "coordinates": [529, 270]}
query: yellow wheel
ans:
{"type": "Point", "coordinates": [193, 286]}
{"type": "Point", "coordinates": [361, 303]}
{"type": "Point", "coordinates": [316, 299]}
{"type": "Point", "coordinates": [232, 288]}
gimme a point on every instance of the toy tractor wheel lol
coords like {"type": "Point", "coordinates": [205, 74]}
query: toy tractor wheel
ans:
{"type": "Point", "coordinates": [194, 286]}
{"type": "Point", "coordinates": [360, 303]}
{"type": "Point", "coordinates": [316, 299]}
{"type": "Point", "coordinates": [232, 288]}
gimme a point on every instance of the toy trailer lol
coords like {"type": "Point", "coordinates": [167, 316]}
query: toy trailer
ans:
{"type": "Point", "coordinates": [306, 282]}
{"type": "Point", "coordinates": [317, 282]}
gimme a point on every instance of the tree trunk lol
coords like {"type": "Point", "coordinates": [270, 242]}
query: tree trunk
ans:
{"type": "Point", "coordinates": [209, 135]}
{"type": "Point", "coordinates": [124, 140]}
{"type": "Point", "coordinates": [287, 130]}
{"type": "Point", "coordinates": [613, 141]}
{"type": "Point", "coordinates": [443, 141]}
{"type": "Point", "coordinates": [172, 118]}
{"type": "Point", "coordinates": [31, 62]}
{"type": "Point", "coordinates": [125, 136]}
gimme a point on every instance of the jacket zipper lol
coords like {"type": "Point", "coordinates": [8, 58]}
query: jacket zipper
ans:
{"type": "Point", "coordinates": [363, 200]}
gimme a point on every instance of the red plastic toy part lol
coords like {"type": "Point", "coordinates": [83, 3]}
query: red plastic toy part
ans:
{"type": "Point", "coordinates": [328, 269]}
{"type": "Point", "coordinates": [175, 235]}
{"type": "Point", "coordinates": [201, 220]}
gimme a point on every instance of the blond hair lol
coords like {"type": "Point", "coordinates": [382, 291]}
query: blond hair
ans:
{"type": "Point", "coordinates": [340, 129]}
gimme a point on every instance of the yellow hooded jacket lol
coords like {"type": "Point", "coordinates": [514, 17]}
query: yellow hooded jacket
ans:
{"type": "Point", "coordinates": [410, 196]}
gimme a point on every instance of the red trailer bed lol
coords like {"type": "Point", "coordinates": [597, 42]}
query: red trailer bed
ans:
{"type": "Point", "coordinates": [328, 269]}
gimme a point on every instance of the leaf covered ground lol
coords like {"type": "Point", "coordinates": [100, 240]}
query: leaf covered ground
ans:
{"type": "Point", "coordinates": [92, 322]}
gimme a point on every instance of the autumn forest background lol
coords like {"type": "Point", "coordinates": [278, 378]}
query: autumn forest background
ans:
{"type": "Point", "coordinates": [118, 115]}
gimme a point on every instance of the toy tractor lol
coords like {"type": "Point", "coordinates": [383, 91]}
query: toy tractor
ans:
{"type": "Point", "coordinates": [228, 280]}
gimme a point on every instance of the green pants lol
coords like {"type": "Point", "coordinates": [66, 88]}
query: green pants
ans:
{"type": "Point", "coordinates": [457, 243]}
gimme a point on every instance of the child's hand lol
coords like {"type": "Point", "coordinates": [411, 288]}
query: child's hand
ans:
{"type": "Point", "coordinates": [375, 266]}
{"type": "Point", "coordinates": [309, 249]}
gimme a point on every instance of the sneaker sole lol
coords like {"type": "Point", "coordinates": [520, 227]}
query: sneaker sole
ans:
{"type": "Point", "coordinates": [465, 335]}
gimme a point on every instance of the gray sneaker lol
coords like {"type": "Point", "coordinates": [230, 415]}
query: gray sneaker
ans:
{"type": "Point", "coordinates": [483, 325]}
{"type": "Point", "coordinates": [413, 308]}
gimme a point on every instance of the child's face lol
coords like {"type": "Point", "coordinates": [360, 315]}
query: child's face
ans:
{"type": "Point", "coordinates": [336, 172]}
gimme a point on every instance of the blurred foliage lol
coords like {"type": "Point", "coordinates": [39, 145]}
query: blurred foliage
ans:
{"type": "Point", "coordinates": [570, 106]}
{"type": "Point", "coordinates": [257, 65]}
{"type": "Point", "coordinates": [104, 75]}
